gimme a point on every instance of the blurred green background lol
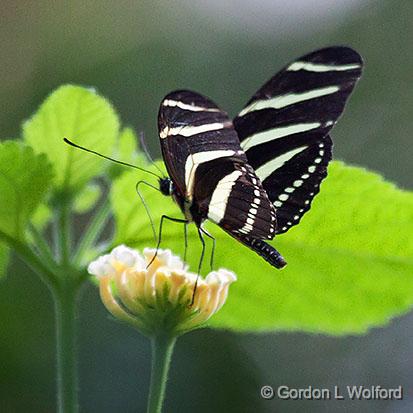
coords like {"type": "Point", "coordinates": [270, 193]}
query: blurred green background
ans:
{"type": "Point", "coordinates": [134, 52]}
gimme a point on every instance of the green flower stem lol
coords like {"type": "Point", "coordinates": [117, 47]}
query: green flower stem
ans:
{"type": "Point", "coordinates": [65, 299]}
{"type": "Point", "coordinates": [92, 232]}
{"type": "Point", "coordinates": [162, 348]}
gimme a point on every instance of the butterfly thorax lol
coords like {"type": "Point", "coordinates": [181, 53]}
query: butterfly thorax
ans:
{"type": "Point", "coordinates": [189, 208]}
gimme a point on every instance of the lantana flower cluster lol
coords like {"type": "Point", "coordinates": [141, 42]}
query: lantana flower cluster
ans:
{"type": "Point", "coordinates": [156, 295]}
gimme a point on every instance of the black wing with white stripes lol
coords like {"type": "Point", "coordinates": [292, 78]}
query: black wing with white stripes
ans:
{"type": "Point", "coordinates": [284, 128]}
{"type": "Point", "coordinates": [192, 126]}
{"type": "Point", "coordinates": [204, 158]}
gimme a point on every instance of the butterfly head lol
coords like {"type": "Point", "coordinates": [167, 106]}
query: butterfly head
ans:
{"type": "Point", "coordinates": [166, 186]}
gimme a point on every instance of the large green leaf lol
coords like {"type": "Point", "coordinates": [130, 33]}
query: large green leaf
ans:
{"type": "Point", "coordinates": [350, 260]}
{"type": "Point", "coordinates": [24, 180]}
{"type": "Point", "coordinates": [127, 151]}
{"type": "Point", "coordinates": [128, 146]}
{"type": "Point", "coordinates": [132, 221]}
{"type": "Point", "coordinates": [81, 115]}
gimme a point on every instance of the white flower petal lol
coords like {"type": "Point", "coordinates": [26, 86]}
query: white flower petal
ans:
{"type": "Point", "coordinates": [101, 267]}
{"type": "Point", "coordinates": [166, 259]}
{"type": "Point", "coordinates": [222, 276]}
{"type": "Point", "coordinates": [192, 278]}
{"type": "Point", "coordinates": [148, 253]}
{"type": "Point", "coordinates": [127, 256]}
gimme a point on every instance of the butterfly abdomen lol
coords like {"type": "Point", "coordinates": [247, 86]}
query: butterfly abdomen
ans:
{"type": "Point", "coordinates": [264, 250]}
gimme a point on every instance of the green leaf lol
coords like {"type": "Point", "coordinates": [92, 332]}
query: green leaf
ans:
{"type": "Point", "coordinates": [350, 260]}
{"type": "Point", "coordinates": [128, 145]}
{"type": "Point", "coordinates": [4, 258]}
{"type": "Point", "coordinates": [78, 114]}
{"type": "Point", "coordinates": [132, 221]}
{"type": "Point", "coordinates": [127, 151]}
{"type": "Point", "coordinates": [87, 198]}
{"type": "Point", "coordinates": [41, 216]}
{"type": "Point", "coordinates": [24, 180]}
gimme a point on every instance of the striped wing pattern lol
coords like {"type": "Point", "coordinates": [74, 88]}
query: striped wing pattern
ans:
{"type": "Point", "coordinates": [284, 128]}
{"type": "Point", "coordinates": [204, 158]}
{"type": "Point", "coordinates": [257, 175]}
{"type": "Point", "coordinates": [193, 129]}
{"type": "Point", "coordinates": [231, 195]}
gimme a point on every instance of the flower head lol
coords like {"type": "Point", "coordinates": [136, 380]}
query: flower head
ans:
{"type": "Point", "coordinates": [159, 297]}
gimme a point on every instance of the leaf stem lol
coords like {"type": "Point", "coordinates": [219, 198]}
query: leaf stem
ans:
{"type": "Point", "coordinates": [92, 232]}
{"type": "Point", "coordinates": [162, 348]}
{"type": "Point", "coordinates": [64, 229]}
{"type": "Point", "coordinates": [31, 259]}
{"type": "Point", "coordinates": [65, 297]}
{"type": "Point", "coordinates": [41, 245]}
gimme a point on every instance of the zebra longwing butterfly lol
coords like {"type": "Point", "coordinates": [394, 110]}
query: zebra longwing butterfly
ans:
{"type": "Point", "coordinates": [256, 175]}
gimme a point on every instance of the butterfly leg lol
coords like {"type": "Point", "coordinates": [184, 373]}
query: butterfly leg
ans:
{"type": "Point", "coordinates": [211, 261]}
{"type": "Point", "coordinates": [201, 259]}
{"type": "Point", "coordinates": [182, 221]}
{"type": "Point", "coordinates": [185, 240]}
{"type": "Point", "coordinates": [144, 203]}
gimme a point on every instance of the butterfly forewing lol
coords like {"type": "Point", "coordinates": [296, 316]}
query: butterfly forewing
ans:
{"type": "Point", "coordinates": [192, 130]}
{"type": "Point", "coordinates": [284, 127]}
{"type": "Point", "coordinates": [204, 158]}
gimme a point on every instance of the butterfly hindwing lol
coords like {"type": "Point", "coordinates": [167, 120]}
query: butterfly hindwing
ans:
{"type": "Point", "coordinates": [284, 127]}
{"type": "Point", "coordinates": [231, 195]}
{"type": "Point", "coordinates": [292, 186]}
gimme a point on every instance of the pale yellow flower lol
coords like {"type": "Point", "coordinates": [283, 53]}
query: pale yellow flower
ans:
{"type": "Point", "coordinates": [158, 298]}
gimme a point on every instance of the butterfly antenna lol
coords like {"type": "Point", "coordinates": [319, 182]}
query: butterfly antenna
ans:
{"type": "Point", "coordinates": [144, 147]}
{"type": "Point", "coordinates": [146, 206]}
{"type": "Point", "coordinates": [109, 158]}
